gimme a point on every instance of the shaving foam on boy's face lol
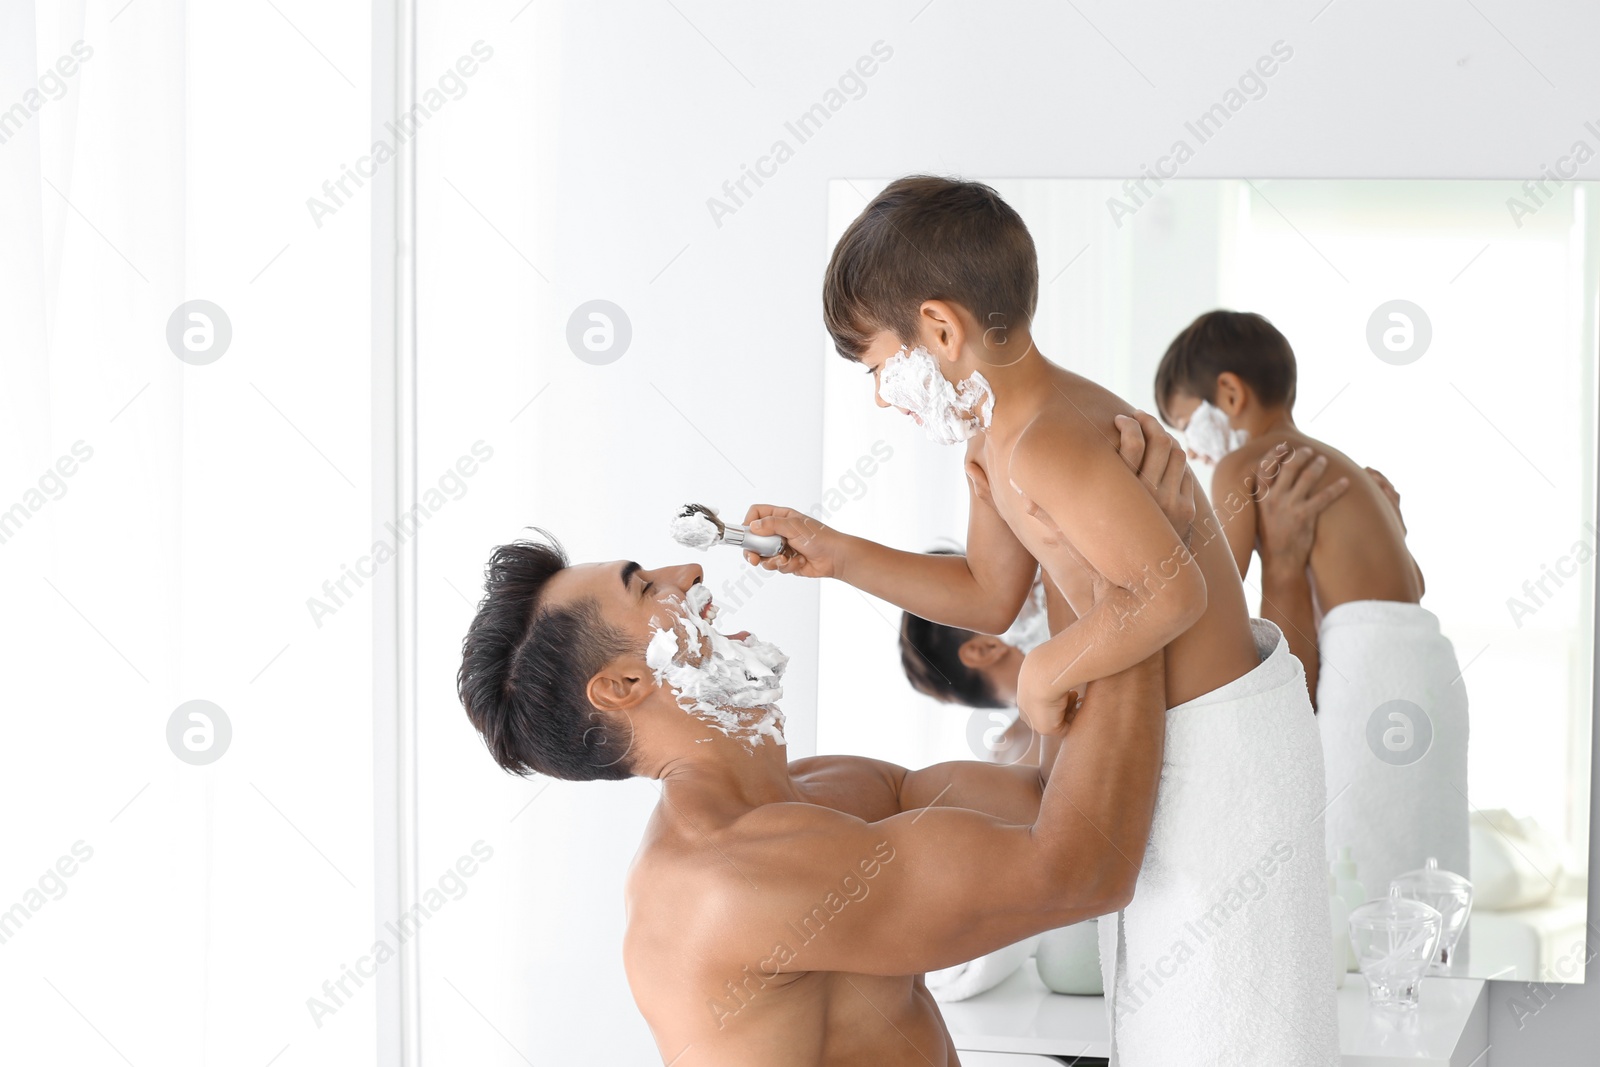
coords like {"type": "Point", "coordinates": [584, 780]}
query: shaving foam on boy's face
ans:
{"type": "Point", "coordinates": [949, 414]}
{"type": "Point", "coordinates": [731, 685]}
{"type": "Point", "coordinates": [1210, 435]}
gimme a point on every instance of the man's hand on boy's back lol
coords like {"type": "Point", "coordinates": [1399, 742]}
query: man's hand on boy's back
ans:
{"type": "Point", "coordinates": [1147, 447]}
{"type": "Point", "coordinates": [811, 548]}
{"type": "Point", "coordinates": [1287, 510]}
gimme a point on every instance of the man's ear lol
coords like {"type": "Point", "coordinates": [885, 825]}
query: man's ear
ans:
{"type": "Point", "coordinates": [980, 651]}
{"type": "Point", "coordinates": [1233, 396]}
{"type": "Point", "coordinates": [621, 685]}
{"type": "Point", "coordinates": [941, 330]}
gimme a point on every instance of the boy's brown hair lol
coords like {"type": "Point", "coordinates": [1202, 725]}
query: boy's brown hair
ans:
{"type": "Point", "coordinates": [1218, 342]}
{"type": "Point", "coordinates": [928, 238]}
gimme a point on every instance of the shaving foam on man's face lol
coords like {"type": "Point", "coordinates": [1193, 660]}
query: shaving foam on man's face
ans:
{"type": "Point", "coordinates": [1210, 435]}
{"type": "Point", "coordinates": [949, 414]}
{"type": "Point", "coordinates": [732, 685]}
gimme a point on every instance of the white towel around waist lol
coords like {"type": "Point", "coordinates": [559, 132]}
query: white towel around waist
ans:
{"type": "Point", "coordinates": [1223, 956]}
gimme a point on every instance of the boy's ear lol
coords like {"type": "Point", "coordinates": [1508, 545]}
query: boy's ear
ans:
{"type": "Point", "coordinates": [1232, 394]}
{"type": "Point", "coordinates": [980, 651]}
{"type": "Point", "coordinates": [620, 686]}
{"type": "Point", "coordinates": [942, 332]}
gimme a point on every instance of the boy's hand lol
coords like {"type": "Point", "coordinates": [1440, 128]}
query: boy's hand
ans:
{"type": "Point", "coordinates": [1392, 493]}
{"type": "Point", "coordinates": [1044, 707]}
{"type": "Point", "coordinates": [812, 550]}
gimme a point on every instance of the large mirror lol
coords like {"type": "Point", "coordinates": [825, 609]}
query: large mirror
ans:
{"type": "Point", "coordinates": [1444, 334]}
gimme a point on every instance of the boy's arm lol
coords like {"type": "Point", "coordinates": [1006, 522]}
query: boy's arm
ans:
{"type": "Point", "coordinates": [1095, 513]}
{"type": "Point", "coordinates": [1392, 494]}
{"type": "Point", "coordinates": [938, 885]}
{"type": "Point", "coordinates": [981, 591]}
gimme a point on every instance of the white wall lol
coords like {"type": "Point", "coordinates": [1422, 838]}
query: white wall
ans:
{"type": "Point", "coordinates": [563, 167]}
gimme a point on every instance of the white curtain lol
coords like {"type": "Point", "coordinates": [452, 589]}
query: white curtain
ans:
{"type": "Point", "coordinates": [163, 524]}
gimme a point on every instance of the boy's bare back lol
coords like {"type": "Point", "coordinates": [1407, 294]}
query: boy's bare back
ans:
{"type": "Point", "coordinates": [1068, 438]}
{"type": "Point", "coordinates": [1360, 551]}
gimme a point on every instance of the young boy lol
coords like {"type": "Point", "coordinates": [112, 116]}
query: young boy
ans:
{"type": "Point", "coordinates": [932, 290]}
{"type": "Point", "coordinates": [1374, 658]}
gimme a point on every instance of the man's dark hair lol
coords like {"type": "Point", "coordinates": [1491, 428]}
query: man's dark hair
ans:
{"type": "Point", "coordinates": [927, 238]}
{"type": "Point", "coordinates": [930, 654]}
{"type": "Point", "coordinates": [525, 670]}
{"type": "Point", "coordinates": [1222, 341]}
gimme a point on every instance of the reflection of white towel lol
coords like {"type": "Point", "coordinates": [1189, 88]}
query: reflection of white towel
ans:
{"type": "Point", "coordinates": [1515, 863]}
{"type": "Point", "coordinates": [1223, 955]}
{"type": "Point", "coordinates": [982, 974]}
{"type": "Point", "coordinates": [1392, 800]}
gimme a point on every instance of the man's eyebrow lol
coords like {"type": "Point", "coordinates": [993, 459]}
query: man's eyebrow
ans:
{"type": "Point", "coordinates": [629, 569]}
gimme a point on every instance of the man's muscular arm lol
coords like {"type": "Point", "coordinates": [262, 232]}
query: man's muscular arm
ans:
{"type": "Point", "coordinates": [1287, 524]}
{"type": "Point", "coordinates": [949, 884]}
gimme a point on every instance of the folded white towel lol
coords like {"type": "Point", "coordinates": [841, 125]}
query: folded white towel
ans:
{"type": "Point", "coordinates": [1223, 956]}
{"type": "Point", "coordinates": [1515, 863]}
{"type": "Point", "coordinates": [980, 975]}
{"type": "Point", "coordinates": [1382, 660]}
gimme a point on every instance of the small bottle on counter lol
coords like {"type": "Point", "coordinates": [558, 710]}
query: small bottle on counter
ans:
{"type": "Point", "coordinates": [1353, 893]}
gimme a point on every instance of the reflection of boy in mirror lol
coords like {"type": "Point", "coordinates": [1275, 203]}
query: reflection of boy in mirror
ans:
{"type": "Point", "coordinates": [1228, 382]}
{"type": "Point", "coordinates": [1385, 680]}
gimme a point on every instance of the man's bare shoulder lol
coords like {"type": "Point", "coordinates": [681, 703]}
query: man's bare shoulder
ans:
{"type": "Point", "coordinates": [693, 868]}
{"type": "Point", "coordinates": [866, 788]}
{"type": "Point", "coordinates": [684, 846]}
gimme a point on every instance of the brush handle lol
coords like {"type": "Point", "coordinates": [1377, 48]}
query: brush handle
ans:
{"type": "Point", "coordinates": [740, 537]}
{"type": "Point", "coordinates": [764, 545]}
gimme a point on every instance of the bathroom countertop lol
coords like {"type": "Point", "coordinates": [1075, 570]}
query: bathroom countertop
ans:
{"type": "Point", "coordinates": [1450, 1029]}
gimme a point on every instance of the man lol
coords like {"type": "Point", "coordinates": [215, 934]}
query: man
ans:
{"type": "Point", "coordinates": [784, 913]}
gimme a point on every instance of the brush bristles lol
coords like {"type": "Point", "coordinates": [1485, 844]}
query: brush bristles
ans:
{"type": "Point", "coordinates": [690, 509]}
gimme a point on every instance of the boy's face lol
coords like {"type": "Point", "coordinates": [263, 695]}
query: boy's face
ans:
{"type": "Point", "coordinates": [1208, 432]}
{"type": "Point", "coordinates": [884, 346]}
{"type": "Point", "coordinates": [1178, 408]}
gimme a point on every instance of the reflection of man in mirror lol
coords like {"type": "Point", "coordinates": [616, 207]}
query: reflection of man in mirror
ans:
{"type": "Point", "coordinates": [1385, 681]}
{"type": "Point", "coordinates": [979, 671]}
